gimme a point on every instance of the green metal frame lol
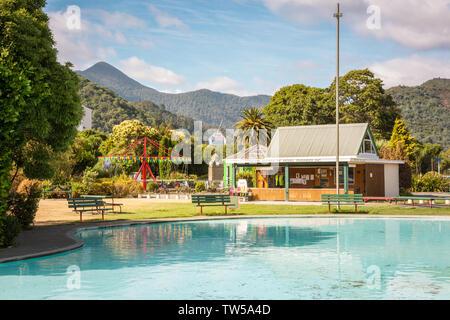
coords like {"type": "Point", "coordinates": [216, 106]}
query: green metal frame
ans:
{"type": "Point", "coordinates": [286, 182]}
{"type": "Point", "coordinates": [52, 189]}
{"type": "Point", "coordinates": [368, 131]}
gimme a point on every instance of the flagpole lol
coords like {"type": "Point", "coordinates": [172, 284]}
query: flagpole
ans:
{"type": "Point", "coordinates": [144, 176]}
{"type": "Point", "coordinates": [337, 15]}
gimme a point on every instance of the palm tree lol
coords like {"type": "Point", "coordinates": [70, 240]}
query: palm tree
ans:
{"type": "Point", "coordinates": [254, 122]}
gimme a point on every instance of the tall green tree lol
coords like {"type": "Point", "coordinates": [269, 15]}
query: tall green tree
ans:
{"type": "Point", "coordinates": [125, 134]}
{"type": "Point", "coordinates": [256, 123]}
{"type": "Point", "coordinates": [401, 136]}
{"type": "Point", "coordinates": [363, 99]}
{"type": "Point", "coordinates": [445, 160]}
{"type": "Point", "coordinates": [39, 97]}
{"type": "Point", "coordinates": [426, 157]}
{"type": "Point", "coordinates": [15, 90]}
{"type": "Point", "coordinates": [165, 168]}
{"type": "Point", "coordinates": [86, 149]}
{"type": "Point", "coordinates": [299, 105]}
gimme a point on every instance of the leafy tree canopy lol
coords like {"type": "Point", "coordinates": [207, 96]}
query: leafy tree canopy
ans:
{"type": "Point", "coordinates": [299, 105]}
{"type": "Point", "coordinates": [86, 149]}
{"type": "Point", "coordinates": [38, 96]}
{"type": "Point", "coordinates": [128, 132]}
{"type": "Point", "coordinates": [400, 135]}
{"type": "Point", "coordinates": [362, 99]}
{"type": "Point", "coordinates": [253, 121]}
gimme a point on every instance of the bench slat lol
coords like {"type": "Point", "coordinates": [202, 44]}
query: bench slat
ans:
{"type": "Point", "coordinates": [342, 199]}
{"type": "Point", "coordinates": [210, 200]}
{"type": "Point", "coordinates": [95, 206]}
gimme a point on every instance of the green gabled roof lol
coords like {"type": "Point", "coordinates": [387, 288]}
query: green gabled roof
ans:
{"type": "Point", "coordinates": [317, 140]}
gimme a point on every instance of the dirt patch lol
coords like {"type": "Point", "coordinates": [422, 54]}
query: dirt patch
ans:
{"type": "Point", "coordinates": [56, 211]}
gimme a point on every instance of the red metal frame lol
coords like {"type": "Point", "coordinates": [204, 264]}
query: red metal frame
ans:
{"type": "Point", "coordinates": [144, 166]}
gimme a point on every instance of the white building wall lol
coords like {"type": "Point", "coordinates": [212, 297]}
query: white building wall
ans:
{"type": "Point", "coordinates": [391, 180]}
{"type": "Point", "coordinates": [86, 122]}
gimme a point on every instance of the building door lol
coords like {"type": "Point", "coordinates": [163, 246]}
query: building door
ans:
{"type": "Point", "coordinates": [374, 180]}
{"type": "Point", "coordinates": [360, 177]}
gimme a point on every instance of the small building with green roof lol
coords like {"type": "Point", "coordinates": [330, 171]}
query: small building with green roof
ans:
{"type": "Point", "coordinates": [300, 164]}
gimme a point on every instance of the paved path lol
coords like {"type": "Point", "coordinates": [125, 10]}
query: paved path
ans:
{"type": "Point", "coordinates": [52, 239]}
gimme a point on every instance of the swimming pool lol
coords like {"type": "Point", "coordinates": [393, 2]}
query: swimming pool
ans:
{"type": "Point", "coordinates": [267, 258]}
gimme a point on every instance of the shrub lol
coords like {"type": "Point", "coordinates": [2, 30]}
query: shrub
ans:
{"type": "Point", "coordinates": [430, 182]}
{"type": "Point", "coordinates": [121, 189]}
{"type": "Point", "coordinates": [103, 188]}
{"type": "Point", "coordinates": [88, 180]}
{"type": "Point", "coordinates": [10, 230]}
{"type": "Point", "coordinates": [18, 178]}
{"type": "Point", "coordinates": [76, 189]}
{"type": "Point", "coordinates": [184, 189]}
{"type": "Point", "coordinates": [27, 185]}
{"type": "Point", "coordinates": [152, 187]}
{"type": "Point", "coordinates": [212, 187]}
{"type": "Point", "coordinates": [177, 175]}
{"type": "Point", "coordinates": [23, 203]}
{"type": "Point", "coordinates": [200, 186]}
{"type": "Point", "coordinates": [135, 188]}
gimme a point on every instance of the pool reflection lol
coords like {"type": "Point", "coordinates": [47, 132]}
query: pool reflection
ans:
{"type": "Point", "coordinates": [294, 258]}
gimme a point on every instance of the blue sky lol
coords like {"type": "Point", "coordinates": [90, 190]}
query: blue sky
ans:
{"type": "Point", "coordinates": [248, 47]}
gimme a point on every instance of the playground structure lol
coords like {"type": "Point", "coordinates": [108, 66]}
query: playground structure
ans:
{"type": "Point", "coordinates": [144, 159]}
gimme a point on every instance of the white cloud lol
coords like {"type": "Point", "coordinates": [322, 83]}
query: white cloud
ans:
{"type": "Point", "coordinates": [306, 65]}
{"type": "Point", "coordinates": [95, 40]}
{"type": "Point", "coordinates": [140, 70]}
{"type": "Point", "coordinates": [120, 38]}
{"type": "Point", "coordinates": [75, 45]}
{"type": "Point", "coordinates": [143, 43]}
{"type": "Point", "coordinates": [410, 71]}
{"type": "Point", "coordinates": [119, 19]}
{"type": "Point", "coordinates": [418, 24]}
{"type": "Point", "coordinates": [164, 19]}
{"type": "Point", "coordinates": [224, 85]}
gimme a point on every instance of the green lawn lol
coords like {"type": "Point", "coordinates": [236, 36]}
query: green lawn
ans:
{"type": "Point", "coordinates": [177, 210]}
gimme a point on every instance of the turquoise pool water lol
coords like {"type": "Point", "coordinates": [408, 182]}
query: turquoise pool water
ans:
{"type": "Point", "coordinates": [271, 258]}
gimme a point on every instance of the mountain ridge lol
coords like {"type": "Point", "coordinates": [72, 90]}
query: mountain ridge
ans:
{"type": "Point", "coordinates": [109, 109]}
{"type": "Point", "coordinates": [426, 109]}
{"type": "Point", "coordinates": [206, 105]}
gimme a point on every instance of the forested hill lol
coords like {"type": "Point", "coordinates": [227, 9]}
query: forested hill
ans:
{"type": "Point", "coordinates": [426, 110]}
{"type": "Point", "coordinates": [109, 109]}
{"type": "Point", "coordinates": [206, 105]}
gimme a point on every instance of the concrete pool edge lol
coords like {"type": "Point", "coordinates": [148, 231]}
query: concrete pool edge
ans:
{"type": "Point", "coordinates": [46, 236]}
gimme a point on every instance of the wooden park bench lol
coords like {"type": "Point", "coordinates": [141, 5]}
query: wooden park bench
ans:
{"type": "Point", "coordinates": [94, 206]}
{"type": "Point", "coordinates": [56, 189]}
{"type": "Point", "coordinates": [342, 199]}
{"type": "Point", "coordinates": [108, 204]}
{"type": "Point", "coordinates": [205, 200]}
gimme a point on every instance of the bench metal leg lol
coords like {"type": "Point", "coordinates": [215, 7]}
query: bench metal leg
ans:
{"type": "Point", "coordinates": [225, 210]}
{"type": "Point", "coordinates": [356, 208]}
{"type": "Point", "coordinates": [329, 208]}
{"type": "Point", "coordinates": [201, 210]}
{"type": "Point", "coordinates": [81, 216]}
